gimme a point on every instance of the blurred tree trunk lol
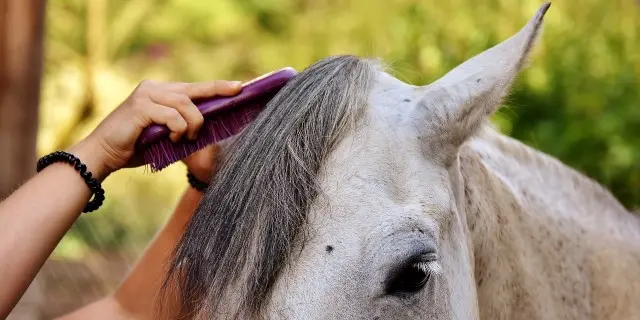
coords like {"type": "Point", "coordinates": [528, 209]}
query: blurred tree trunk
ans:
{"type": "Point", "coordinates": [21, 53]}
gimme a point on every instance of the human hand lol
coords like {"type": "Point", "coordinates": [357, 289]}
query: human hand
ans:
{"type": "Point", "coordinates": [202, 163]}
{"type": "Point", "coordinates": [111, 145]}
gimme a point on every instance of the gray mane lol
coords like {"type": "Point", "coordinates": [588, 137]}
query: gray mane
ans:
{"type": "Point", "coordinates": [243, 233]}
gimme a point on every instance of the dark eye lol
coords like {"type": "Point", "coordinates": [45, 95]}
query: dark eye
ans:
{"type": "Point", "coordinates": [410, 278]}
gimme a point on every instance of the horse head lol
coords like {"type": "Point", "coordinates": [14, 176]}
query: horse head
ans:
{"type": "Point", "coordinates": [342, 200]}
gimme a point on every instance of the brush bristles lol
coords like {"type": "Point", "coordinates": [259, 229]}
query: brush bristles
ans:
{"type": "Point", "coordinates": [220, 126]}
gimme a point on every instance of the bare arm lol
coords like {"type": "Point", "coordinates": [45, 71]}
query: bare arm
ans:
{"type": "Point", "coordinates": [136, 296]}
{"type": "Point", "coordinates": [35, 217]}
{"type": "Point", "coordinates": [138, 292]}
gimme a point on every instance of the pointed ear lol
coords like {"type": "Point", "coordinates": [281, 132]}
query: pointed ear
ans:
{"type": "Point", "coordinates": [458, 103]}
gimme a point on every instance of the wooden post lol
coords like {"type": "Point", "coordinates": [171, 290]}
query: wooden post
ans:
{"type": "Point", "coordinates": [21, 47]}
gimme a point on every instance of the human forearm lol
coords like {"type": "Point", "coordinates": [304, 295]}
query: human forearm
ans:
{"type": "Point", "coordinates": [139, 291]}
{"type": "Point", "coordinates": [136, 296]}
{"type": "Point", "coordinates": [34, 219]}
{"type": "Point", "coordinates": [105, 308]}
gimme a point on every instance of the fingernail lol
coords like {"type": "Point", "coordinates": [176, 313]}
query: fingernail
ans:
{"type": "Point", "coordinates": [236, 83]}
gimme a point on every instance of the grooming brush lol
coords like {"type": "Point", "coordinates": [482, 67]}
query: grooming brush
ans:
{"type": "Point", "coordinates": [223, 118]}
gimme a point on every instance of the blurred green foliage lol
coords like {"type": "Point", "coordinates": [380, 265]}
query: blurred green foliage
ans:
{"type": "Point", "coordinates": [578, 101]}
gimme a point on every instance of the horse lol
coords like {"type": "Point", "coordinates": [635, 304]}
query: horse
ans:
{"type": "Point", "coordinates": [354, 195]}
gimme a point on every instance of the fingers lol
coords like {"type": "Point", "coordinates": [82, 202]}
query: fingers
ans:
{"type": "Point", "coordinates": [207, 89]}
{"type": "Point", "coordinates": [168, 116]}
{"type": "Point", "coordinates": [171, 103]}
{"type": "Point", "coordinates": [184, 106]}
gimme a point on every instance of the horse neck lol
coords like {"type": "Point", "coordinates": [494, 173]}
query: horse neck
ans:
{"type": "Point", "coordinates": [532, 221]}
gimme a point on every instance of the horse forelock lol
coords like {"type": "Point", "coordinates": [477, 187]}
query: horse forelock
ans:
{"type": "Point", "coordinates": [255, 209]}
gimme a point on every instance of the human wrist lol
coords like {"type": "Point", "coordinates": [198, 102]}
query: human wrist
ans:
{"type": "Point", "coordinates": [197, 183]}
{"type": "Point", "coordinates": [198, 176]}
{"type": "Point", "coordinates": [94, 185]}
{"type": "Point", "coordinates": [203, 175]}
{"type": "Point", "coordinates": [92, 155]}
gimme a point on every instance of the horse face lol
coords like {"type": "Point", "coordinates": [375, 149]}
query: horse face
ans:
{"type": "Point", "coordinates": [387, 235]}
{"type": "Point", "coordinates": [385, 238]}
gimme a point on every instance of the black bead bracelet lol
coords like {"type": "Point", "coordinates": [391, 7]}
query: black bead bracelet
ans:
{"type": "Point", "coordinates": [93, 184]}
{"type": "Point", "coordinates": [195, 183]}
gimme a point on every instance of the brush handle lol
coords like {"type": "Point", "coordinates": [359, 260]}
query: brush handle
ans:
{"type": "Point", "coordinates": [264, 85]}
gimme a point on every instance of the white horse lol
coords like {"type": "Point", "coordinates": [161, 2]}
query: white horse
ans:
{"type": "Point", "coordinates": [357, 196]}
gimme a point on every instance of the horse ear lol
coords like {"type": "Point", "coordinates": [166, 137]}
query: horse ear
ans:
{"type": "Point", "coordinates": [460, 101]}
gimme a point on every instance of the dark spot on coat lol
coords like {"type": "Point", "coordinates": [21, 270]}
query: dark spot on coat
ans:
{"type": "Point", "coordinates": [406, 100]}
{"type": "Point", "coordinates": [501, 220]}
{"type": "Point", "coordinates": [478, 80]}
{"type": "Point", "coordinates": [329, 249]}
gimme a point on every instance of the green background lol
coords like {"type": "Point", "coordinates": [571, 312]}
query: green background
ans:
{"type": "Point", "coordinates": [579, 100]}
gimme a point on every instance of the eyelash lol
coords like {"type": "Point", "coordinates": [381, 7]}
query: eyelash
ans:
{"type": "Point", "coordinates": [413, 277]}
{"type": "Point", "coordinates": [430, 267]}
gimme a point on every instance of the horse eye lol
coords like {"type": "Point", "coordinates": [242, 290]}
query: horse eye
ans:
{"type": "Point", "coordinates": [411, 279]}
{"type": "Point", "coordinates": [413, 275]}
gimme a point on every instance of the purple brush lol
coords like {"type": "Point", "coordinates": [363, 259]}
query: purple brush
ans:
{"type": "Point", "coordinates": [223, 118]}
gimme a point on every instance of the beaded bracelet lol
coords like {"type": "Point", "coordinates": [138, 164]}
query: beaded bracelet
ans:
{"type": "Point", "coordinates": [92, 183]}
{"type": "Point", "coordinates": [195, 183]}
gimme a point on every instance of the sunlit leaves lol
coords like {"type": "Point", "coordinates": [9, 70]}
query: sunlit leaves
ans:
{"type": "Point", "coordinates": [578, 101]}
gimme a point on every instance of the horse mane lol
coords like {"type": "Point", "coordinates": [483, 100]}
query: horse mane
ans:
{"type": "Point", "coordinates": [529, 159]}
{"type": "Point", "coordinates": [254, 211]}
